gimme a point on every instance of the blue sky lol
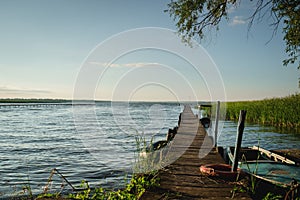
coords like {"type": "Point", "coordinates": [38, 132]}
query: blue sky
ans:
{"type": "Point", "coordinates": [45, 43]}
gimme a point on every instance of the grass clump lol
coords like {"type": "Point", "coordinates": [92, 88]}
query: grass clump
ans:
{"type": "Point", "coordinates": [133, 190]}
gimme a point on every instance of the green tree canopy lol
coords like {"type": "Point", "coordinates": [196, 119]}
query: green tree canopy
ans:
{"type": "Point", "coordinates": [194, 17]}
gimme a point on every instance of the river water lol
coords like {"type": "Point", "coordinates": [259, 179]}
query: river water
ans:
{"type": "Point", "coordinates": [94, 142]}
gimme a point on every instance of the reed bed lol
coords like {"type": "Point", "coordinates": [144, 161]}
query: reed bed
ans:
{"type": "Point", "coordinates": [278, 112]}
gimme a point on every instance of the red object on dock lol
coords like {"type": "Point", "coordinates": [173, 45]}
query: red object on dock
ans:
{"type": "Point", "coordinates": [220, 170]}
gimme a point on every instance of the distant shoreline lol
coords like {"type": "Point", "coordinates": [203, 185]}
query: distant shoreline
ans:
{"type": "Point", "coordinates": [21, 100]}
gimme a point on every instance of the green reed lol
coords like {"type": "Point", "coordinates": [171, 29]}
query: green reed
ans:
{"type": "Point", "coordinates": [278, 112]}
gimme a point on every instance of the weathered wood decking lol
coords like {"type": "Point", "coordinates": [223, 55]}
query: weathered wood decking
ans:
{"type": "Point", "coordinates": [182, 179]}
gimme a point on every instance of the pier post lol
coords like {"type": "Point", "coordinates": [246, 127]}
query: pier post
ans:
{"type": "Point", "coordinates": [217, 122]}
{"type": "Point", "coordinates": [238, 143]}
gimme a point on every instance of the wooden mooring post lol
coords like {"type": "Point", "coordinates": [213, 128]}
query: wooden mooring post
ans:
{"type": "Point", "coordinates": [217, 123]}
{"type": "Point", "coordinates": [238, 143]}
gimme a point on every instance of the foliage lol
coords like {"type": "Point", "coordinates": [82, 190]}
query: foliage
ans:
{"type": "Point", "coordinates": [133, 190]}
{"type": "Point", "coordinates": [271, 196]}
{"type": "Point", "coordinates": [280, 112]}
{"type": "Point", "coordinates": [147, 157]}
{"type": "Point", "coordinates": [252, 186]}
{"type": "Point", "coordinates": [48, 196]}
{"type": "Point", "coordinates": [27, 190]}
{"type": "Point", "coordinates": [193, 17]}
{"type": "Point", "coordinates": [288, 11]}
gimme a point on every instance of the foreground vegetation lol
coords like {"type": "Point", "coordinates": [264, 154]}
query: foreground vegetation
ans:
{"type": "Point", "coordinates": [138, 184]}
{"type": "Point", "coordinates": [133, 190]}
{"type": "Point", "coordinates": [278, 112]}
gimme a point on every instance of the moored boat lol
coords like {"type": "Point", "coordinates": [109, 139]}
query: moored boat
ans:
{"type": "Point", "coordinates": [267, 166]}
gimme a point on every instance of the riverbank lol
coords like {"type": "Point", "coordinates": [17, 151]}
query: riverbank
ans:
{"type": "Point", "coordinates": [278, 112]}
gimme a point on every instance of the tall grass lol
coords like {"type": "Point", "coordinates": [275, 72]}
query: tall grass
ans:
{"type": "Point", "coordinates": [279, 112]}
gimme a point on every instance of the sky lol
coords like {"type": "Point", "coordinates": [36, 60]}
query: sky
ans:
{"type": "Point", "coordinates": [46, 47]}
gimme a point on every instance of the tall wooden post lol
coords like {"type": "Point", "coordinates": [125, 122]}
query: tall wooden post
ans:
{"type": "Point", "coordinates": [217, 123]}
{"type": "Point", "coordinates": [239, 137]}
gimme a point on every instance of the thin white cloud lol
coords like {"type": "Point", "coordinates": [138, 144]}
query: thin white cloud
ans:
{"type": "Point", "coordinates": [141, 64]}
{"type": "Point", "coordinates": [237, 20]}
{"type": "Point", "coordinates": [16, 90]}
{"type": "Point", "coordinates": [104, 64]}
{"type": "Point", "coordinates": [138, 64]}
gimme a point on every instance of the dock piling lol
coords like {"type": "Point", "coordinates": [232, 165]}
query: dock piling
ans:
{"type": "Point", "coordinates": [240, 130]}
{"type": "Point", "coordinates": [217, 123]}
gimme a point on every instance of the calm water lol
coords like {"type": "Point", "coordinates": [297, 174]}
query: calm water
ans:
{"type": "Point", "coordinates": [94, 142]}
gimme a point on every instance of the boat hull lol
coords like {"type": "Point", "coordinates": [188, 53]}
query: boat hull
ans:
{"type": "Point", "coordinates": [258, 163]}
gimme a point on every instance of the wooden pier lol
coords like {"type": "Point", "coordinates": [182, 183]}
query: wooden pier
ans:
{"type": "Point", "coordinates": [182, 179]}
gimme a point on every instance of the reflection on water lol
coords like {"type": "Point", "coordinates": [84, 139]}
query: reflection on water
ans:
{"type": "Point", "coordinates": [266, 137]}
